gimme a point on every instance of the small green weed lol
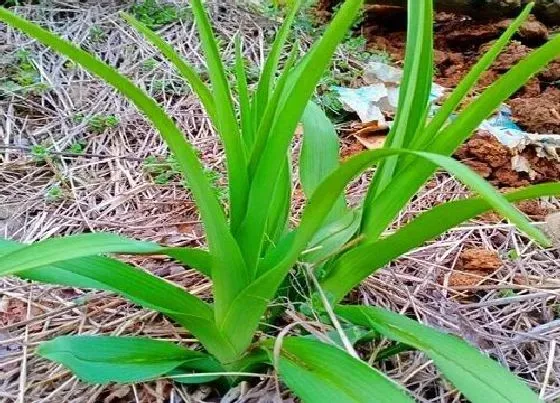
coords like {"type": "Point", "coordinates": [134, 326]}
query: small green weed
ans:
{"type": "Point", "coordinates": [513, 254]}
{"type": "Point", "coordinates": [506, 293]}
{"type": "Point", "coordinates": [149, 64]}
{"type": "Point", "coordinates": [23, 77]}
{"type": "Point", "coordinates": [39, 153]}
{"type": "Point", "coordinates": [77, 147]}
{"type": "Point", "coordinates": [100, 123]}
{"type": "Point", "coordinates": [96, 34]}
{"type": "Point", "coordinates": [54, 193]}
{"type": "Point", "coordinates": [165, 170]}
{"type": "Point", "coordinates": [155, 14]}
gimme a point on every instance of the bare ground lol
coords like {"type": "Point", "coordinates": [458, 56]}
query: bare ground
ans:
{"type": "Point", "coordinates": [509, 307]}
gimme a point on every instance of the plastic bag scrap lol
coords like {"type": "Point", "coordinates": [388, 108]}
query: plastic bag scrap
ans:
{"type": "Point", "coordinates": [380, 97]}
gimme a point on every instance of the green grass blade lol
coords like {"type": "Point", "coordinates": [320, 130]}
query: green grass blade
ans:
{"type": "Point", "coordinates": [467, 83]}
{"type": "Point", "coordinates": [480, 378]}
{"type": "Point", "coordinates": [319, 372]}
{"type": "Point", "coordinates": [251, 234]}
{"type": "Point", "coordinates": [492, 196]}
{"type": "Point", "coordinates": [233, 275]}
{"type": "Point", "coordinates": [258, 293]}
{"type": "Point", "coordinates": [104, 359]}
{"type": "Point", "coordinates": [357, 264]}
{"type": "Point", "coordinates": [412, 176]}
{"type": "Point", "coordinates": [265, 123]}
{"type": "Point", "coordinates": [281, 202]}
{"type": "Point", "coordinates": [323, 198]}
{"type": "Point", "coordinates": [319, 155]}
{"type": "Point", "coordinates": [266, 80]}
{"type": "Point", "coordinates": [244, 101]}
{"type": "Point", "coordinates": [413, 100]}
{"type": "Point", "coordinates": [194, 258]}
{"type": "Point", "coordinates": [49, 274]}
{"type": "Point", "coordinates": [137, 286]}
{"type": "Point", "coordinates": [226, 125]}
{"type": "Point", "coordinates": [55, 250]}
{"type": "Point", "coordinates": [186, 70]}
{"type": "Point", "coordinates": [331, 238]}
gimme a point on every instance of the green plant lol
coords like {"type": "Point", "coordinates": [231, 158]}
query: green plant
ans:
{"type": "Point", "coordinates": [96, 34]}
{"type": "Point", "coordinates": [39, 152]}
{"type": "Point", "coordinates": [149, 64]}
{"type": "Point", "coordinates": [54, 193]}
{"type": "Point", "coordinates": [77, 147]}
{"type": "Point", "coordinates": [165, 170]}
{"type": "Point", "coordinates": [154, 13]}
{"type": "Point", "coordinates": [251, 249]}
{"type": "Point", "coordinates": [23, 76]}
{"type": "Point", "coordinates": [100, 123]}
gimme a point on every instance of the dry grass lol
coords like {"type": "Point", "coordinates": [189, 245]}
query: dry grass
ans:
{"type": "Point", "coordinates": [512, 313]}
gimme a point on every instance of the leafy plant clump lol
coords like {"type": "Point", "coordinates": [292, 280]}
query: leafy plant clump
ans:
{"type": "Point", "coordinates": [155, 13]}
{"type": "Point", "coordinates": [97, 123]}
{"type": "Point", "coordinates": [22, 77]}
{"type": "Point", "coordinates": [252, 251]}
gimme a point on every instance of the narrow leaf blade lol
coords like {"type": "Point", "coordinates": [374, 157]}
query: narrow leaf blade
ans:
{"type": "Point", "coordinates": [354, 266]}
{"type": "Point", "coordinates": [319, 154]}
{"type": "Point", "coordinates": [478, 377]}
{"type": "Point", "coordinates": [186, 70]}
{"type": "Point", "coordinates": [319, 372]}
{"type": "Point", "coordinates": [104, 359]}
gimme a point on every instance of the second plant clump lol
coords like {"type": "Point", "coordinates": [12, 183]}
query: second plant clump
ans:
{"type": "Point", "coordinates": [252, 251]}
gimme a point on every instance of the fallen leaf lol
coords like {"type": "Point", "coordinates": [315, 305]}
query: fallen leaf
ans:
{"type": "Point", "coordinates": [371, 135]}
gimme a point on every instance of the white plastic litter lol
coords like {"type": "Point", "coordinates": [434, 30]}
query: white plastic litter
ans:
{"type": "Point", "coordinates": [380, 98]}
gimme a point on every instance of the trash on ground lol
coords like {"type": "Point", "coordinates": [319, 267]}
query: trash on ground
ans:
{"type": "Point", "coordinates": [378, 100]}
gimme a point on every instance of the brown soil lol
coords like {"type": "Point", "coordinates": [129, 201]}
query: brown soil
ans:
{"type": "Point", "coordinates": [459, 43]}
{"type": "Point", "coordinates": [487, 156]}
{"type": "Point", "coordinates": [540, 114]}
{"type": "Point", "coordinates": [479, 259]}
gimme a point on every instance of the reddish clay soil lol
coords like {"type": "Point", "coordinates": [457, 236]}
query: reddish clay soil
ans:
{"type": "Point", "coordinates": [459, 43]}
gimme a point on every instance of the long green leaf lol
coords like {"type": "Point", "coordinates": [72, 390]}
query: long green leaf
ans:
{"type": "Point", "coordinates": [258, 293]}
{"type": "Point", "coordinates": [244, 101]}
{"type": "Point", "coordinates": [281, 202]}
{"type": "Point", "coordinates": [230, 269]}
{"type": "Point", "coordinates": [353, 267]}
{"type": "Point", "coordinates": [413, 100]}
{"type": "Point", "coordinates": [194, 258]}
{"type": "Point", "coordinates": [227, 123]}
{"type": "Point", "coordinates": [318, 372]}
{"type": "Point", "coordinates": [412, 176]}
{"type": "Point", "coordinates": [49, 274]}
{"type": "Point", "coordinates": [104, 359]}
{"type": "Point", "coordinates": [64, 248]}
{"type": "Point", "coordinates": [478, 377]}
{"type": "Point", "coordinates": [332, 237]}
{"type": "Point", "coordinates": [270, 112]}
{"type": "Point", "coordinates": [319, 154]}
{"type": "Point", "coordinates": [424, 137]}
{"type": "Point", "coordinates": [271, 64]}
{"type": "Point", "coordinates": [186, 70]}
{"type": "Point", "coordinates": [252, 230]}
{"type": "Point", "coordinates": [136, 285]}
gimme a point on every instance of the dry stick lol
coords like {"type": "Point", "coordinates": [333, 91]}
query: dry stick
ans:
{"type": "Point", "coordinates": [75, 155]}
{"type": "Point", "coordinates": [548, 368]}
{"type": "Point", "coordinates": [345, 341]}
{"type": "Point", "coordinates": [23, 372]}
